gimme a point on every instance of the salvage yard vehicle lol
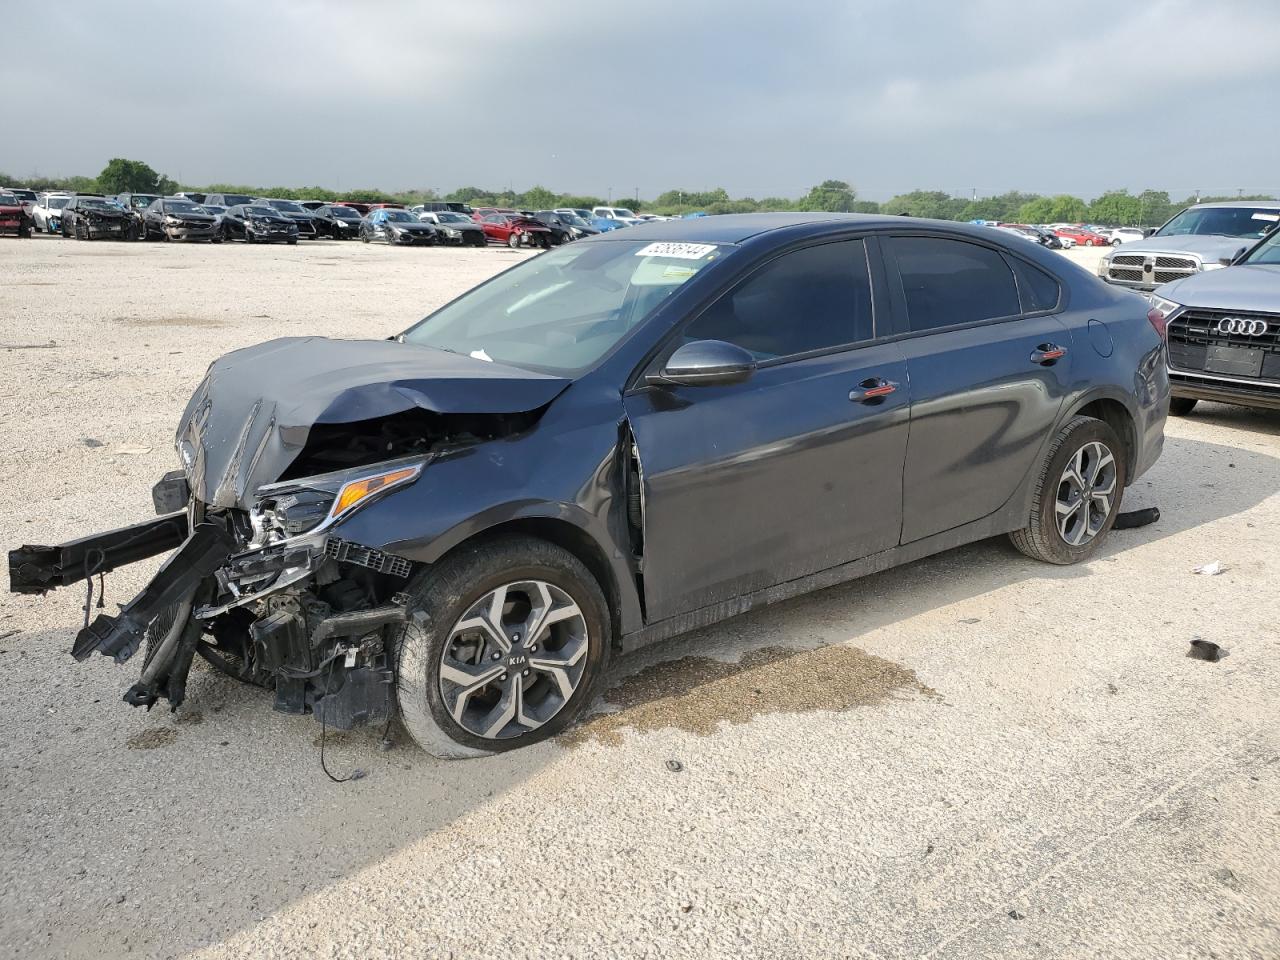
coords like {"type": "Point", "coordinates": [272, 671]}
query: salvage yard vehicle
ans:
{"type": "Point", "coordinates": [1223, 331]}
{"type": "Point", "coordinates": [1206, 236]}
{"type": "Point", "coordinates": [300, 215]}
{"type": "Point", "coordinates": [46, 213]}
{"type": "Point", "coordinates": [516, 230]}
{"type": "Point", "coordinates": [1082, 237]}
{"type": "Point", "coordinates": [258, 223]}
{"type": "Point", "coordinates": [398, 227]}
{"type": "Point", "coordinates": [337, 222]}
{"type": "Point", "coordinates": [13, 217]}
{"type": "Point", "coordinates": [91, 217]}
{"type": "Point", "coordinates": [454, 227]}
{"type": "Point", "coordinates": [620, 215]}
{"type": "Point", "coordinates": [618, 441]}
{"type": "Point", "coordinates": [170, 218]}
{"type": "Point", "coordinates": [227, 199]}
{"type": "Point", "coordinates": [27, 198]}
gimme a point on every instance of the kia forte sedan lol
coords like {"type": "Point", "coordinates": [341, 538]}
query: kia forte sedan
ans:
{"type": "Point", "coordinates": [616, 442]}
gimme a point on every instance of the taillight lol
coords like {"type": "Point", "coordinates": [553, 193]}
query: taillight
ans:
{"type": "Point", "coordinates": [1157, 318]}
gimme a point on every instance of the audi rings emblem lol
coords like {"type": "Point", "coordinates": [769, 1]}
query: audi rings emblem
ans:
{"type": "Point", "coordinates": [1242, 326]}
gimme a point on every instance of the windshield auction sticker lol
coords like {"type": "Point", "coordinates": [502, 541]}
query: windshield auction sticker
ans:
{"type": "Point", "coordinates": [677, 251]}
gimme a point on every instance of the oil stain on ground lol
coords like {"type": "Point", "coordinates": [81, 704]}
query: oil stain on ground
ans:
{"type": "Point", "coordinates": [697, 694]}
{"type": "Point", "coordinates": [151, 738]}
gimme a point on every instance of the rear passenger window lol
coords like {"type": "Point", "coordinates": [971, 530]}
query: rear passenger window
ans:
{"type": "Point", "coordinates": [1039, 290]}
{"type": "Point", "coordinates": [950, 282]}
{"type": "Point", "coordinates": [811, 299]}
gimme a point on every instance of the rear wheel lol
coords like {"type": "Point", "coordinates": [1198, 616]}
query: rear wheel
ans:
{"type": "Point", "coordinates": [1181, 406]}
{"type": "Point", "coordinates": [505, 642]}
{"type": "Point", "coordinates": [1077, 494]}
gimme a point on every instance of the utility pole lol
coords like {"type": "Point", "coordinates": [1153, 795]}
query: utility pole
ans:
{"type": "Point", "coordinates": [611, 196]}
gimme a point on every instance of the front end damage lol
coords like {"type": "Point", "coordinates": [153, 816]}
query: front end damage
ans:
{"type": "Point", "coordinates": [280, 445]}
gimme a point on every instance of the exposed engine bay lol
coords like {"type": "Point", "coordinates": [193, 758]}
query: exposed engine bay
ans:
{"type": "Point", "coordinates": [261, 583]}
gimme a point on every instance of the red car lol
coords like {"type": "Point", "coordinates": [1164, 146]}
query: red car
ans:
{"type": "Point", "coordinates": [13, 218]}
{"type": "Point", "coordinates": [1085, 238]}
{"type": "Point", "coordinates": [515, 230]}
{"type": "Point", "coordinates": [479, 213]}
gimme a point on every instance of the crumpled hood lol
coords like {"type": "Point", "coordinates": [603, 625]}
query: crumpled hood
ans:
{"type": "Point", "coordinates": [253, 412]}
{"type": "Point", "coordinates": [1251, 288]}
{"type": "Point", "coordinates": [1209, 247]}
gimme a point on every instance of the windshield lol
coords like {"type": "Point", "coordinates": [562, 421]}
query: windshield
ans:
{"type": "Point", "coordinates": [235, 199]}
{"type": "Point", "coordinates": [9, 200]}
{"type": "Point", "coordinates": [96, 203]}
{"type": "Point", "coordinates": [142, 199]}
{"type": "Point", "coordinates": [259, 212]}
{"type": "Point", "coordinates": [1266, 252]}
{"type": "Point", "coordinates": [562, 311]}
{"type": "Point", "coordinates": [572, 220]}
{"type": "Point", "coordinates": [1221, 221]}
{"type": "Point", "coordinates": [181, 206]}
{"type": "Point", "coordinates": [400, 216]}
{"type": "Point", "coordinates": [449, 217]}
{"type": "Point", "coordinates": [345, 213]}
{"type": "Point", "coordinates": [214, 209]}
{"type": "Point", "coordinates": [286, 206]}
{"type": "Point", "coordinates": [24, 195]}
{"type": "Point", "coordinates": [57, 203]}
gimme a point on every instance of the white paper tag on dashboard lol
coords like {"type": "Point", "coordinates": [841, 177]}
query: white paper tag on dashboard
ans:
{"type": "Point", "coordinates": [677, 251]}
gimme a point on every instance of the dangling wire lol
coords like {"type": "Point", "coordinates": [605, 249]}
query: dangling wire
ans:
{"type": "Point", "coordinates": [355, 774]}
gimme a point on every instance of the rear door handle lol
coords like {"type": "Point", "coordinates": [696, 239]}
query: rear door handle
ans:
{"type": "Point", "coordinates": [872, 389]}
{"type": "Point", "coordinates": [1047, 353]}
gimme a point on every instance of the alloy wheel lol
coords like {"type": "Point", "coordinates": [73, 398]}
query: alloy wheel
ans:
{"type": "Point", "coordinates": [1085, 493]}
{"type": "Point", "coordinates": [514, 659]}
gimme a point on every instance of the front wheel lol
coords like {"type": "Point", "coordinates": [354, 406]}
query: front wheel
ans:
{"type": "Point", "coordinates": [1077, 495]}
{"type": "Point", "coordinates": [1181, 406]}
{"type": "Point", "coordinates": [505, 642]}
{"type": "Point", "coordinates": [513, 241]}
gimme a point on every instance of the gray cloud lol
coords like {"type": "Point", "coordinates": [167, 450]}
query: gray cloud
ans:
{"type": "Point", "coordinates": [587, 96]}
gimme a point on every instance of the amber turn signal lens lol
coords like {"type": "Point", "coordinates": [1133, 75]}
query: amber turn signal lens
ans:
{"type": "Point", "coordinates": [358, 490]}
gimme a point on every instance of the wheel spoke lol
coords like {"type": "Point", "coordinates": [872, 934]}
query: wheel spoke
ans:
{"type": "Point", "coordinates": [468, 680]}
{"type": "Point", "coordinates": [557, 665]}
{"type": "Point", "coordinates": [487, 617]}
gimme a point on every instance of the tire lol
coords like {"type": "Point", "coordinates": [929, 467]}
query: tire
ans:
{"type": "Point", "coordinates": [364, 236]}
{"type": "Point", "coordinates": [293, 242]}
{"type": "Point", "coordinates": [82, 234]}
{"type": "Point", "coordinates": [1181, 406]}
{"type": "Point", "coordinates": [1043, 538]}
{"type": "Point", "coordinates": [513, 241]}
{"type": "Point", "coordinates": [1088, 243]}
{"type": "Point", "coordinates": [448, 593]}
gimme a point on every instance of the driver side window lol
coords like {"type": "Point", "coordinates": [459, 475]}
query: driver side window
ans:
{"type": "Point", "coordinates": [810, 299]}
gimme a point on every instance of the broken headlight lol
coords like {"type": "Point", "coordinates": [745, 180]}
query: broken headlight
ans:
{"type": "Point", "coordinates": [310, 504]}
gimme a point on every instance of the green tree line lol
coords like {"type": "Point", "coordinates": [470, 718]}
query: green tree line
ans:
{"type": "Point", "coordinates": [1119, 207]}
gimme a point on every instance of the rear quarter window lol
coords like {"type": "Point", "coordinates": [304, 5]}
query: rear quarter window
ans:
{"type": "Point", "coordinates": [1039, 290]}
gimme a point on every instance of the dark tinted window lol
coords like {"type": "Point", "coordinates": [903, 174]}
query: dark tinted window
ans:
{"type": "Point", "coordinates": [948, 282]}
{"type": "Point", "coordinates": [1039, 290]}
{"type": "Point", "coordinates": [811, 299]}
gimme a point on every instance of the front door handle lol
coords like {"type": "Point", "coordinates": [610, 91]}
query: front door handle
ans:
{"type": "Point", "coordinates": [872, 389]}
{"type": "Point", "coordinates": [1047, 353]}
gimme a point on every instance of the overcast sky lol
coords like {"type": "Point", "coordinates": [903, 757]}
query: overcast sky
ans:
{"type": "Point", "coordinates": [591, 96]}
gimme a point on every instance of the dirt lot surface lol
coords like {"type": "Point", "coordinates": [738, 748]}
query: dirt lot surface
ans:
{"type": "Point", "coordinates": [972, 756]}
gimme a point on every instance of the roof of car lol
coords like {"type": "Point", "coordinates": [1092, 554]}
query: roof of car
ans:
{"type": "Point", "coordinates": [737, 227]}
{"type": "Point", "coordinates": [1264, 204]}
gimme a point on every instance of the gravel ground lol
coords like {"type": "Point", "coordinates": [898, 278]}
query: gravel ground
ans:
{"type": "Point", "coordinates": [972, 756]}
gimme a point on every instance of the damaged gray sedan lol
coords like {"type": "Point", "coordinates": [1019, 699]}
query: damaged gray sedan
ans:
{"type": "Point", "coordinates": [613, 443]}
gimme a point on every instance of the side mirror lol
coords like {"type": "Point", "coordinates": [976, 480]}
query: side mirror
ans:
{"type": "Point", "coordinates": [705, 363]}
{"type": "Point", "coordinates": [1226, 261]}
{"type": "Point", "coordinates": [1150, 231]}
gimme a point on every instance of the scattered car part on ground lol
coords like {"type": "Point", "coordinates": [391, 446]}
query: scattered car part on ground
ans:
{"type": "Point", "coordinates": [1223, 331]}
{"type": "Point", "coordinates": [1134, 519]}
{"type": "Point", "coordinates": [172, 218]}
{"type": "Point", "coordinates": [1203, 237]}
{"type": "Point", "coordinates": [1207, 650]}
{"type": "Point", "coordinates": [398, 227]}
{"type": "Point", "coordinates": [258, 223]}
{"type": "Point", "coordinates": [459, 524]}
